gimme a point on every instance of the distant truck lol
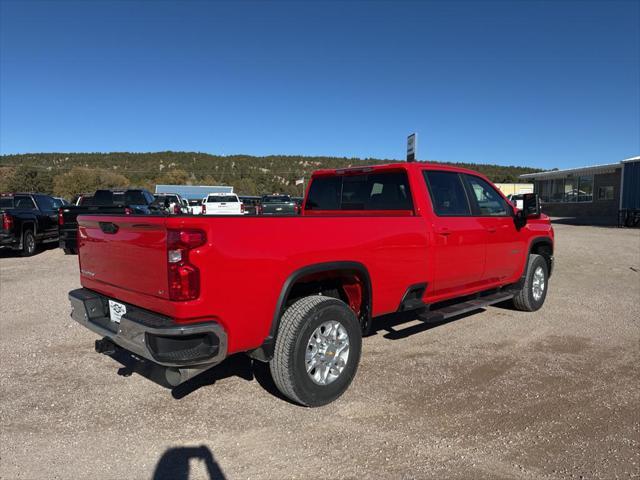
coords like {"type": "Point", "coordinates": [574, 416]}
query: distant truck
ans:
{"type": "Point", "coordinates": [251, 204]}
{"type": "Point", "coordinates": [172, 203]}
{"type": "Point", "coordinates": [28, 220]}
{"type": "Point", "coordinates": [222, 204]}
{"type": "Point", "coordinates": [133, 201]}
{"type": "Point", "coordinates": [434, 240]}
{"type": "Point", "coordinates": [278, 205]}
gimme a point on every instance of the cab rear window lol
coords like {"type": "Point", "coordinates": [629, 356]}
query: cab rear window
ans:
{"type": "Point", "coordinates": [222, 199]}
{"type": "Point", "coordinates": [370, 191]}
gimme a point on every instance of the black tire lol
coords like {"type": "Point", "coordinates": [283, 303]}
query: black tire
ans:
{"type": "Point", "coordinates": [525, 299]}
{"type": "Point", "coordinates": [28, 243]}
{"type": "Point", "coordinates": [631, 221]}
{"type": "Point", "coordinates": [288, 366]}
{"type": "Point", "coordinates": [70, 251]}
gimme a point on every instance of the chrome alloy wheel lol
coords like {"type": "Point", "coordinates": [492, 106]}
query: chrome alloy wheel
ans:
{"type": "Point", "coordinates": [537, 285]}
{"type": "Point", "coordinates": [327, 352]}
{"type": "Point", "coordinates": [31, 243]}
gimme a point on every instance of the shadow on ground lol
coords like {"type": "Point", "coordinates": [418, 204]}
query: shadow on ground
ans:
{"type": "Point", "coordinates": [240, 365]}
{"type": "Point", "coordinates": [606, 222]}
{"type": "Point", "coordinates": [9, 253]}
{"type": "Point", "coordinates": [175, 464]}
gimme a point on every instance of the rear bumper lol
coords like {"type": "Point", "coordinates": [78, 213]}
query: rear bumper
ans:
{"type": "Point", "coordinates": [151, 336]}
{"type": "Point", "coordinates": [9, 241]}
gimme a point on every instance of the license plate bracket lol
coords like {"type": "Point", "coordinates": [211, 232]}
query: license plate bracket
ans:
{"type": "Point", "coordinates": [116, 311]}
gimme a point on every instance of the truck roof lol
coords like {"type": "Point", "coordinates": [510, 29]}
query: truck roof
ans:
{"type": "Point", "coordinates": [394, 166]}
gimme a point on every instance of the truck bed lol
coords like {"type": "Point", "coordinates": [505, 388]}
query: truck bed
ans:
{"type": "Point", "coordinates": [245, 262]}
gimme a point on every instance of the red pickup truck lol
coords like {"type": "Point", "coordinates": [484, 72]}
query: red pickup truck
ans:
{"type": "Point", "coordinates": [371, 241]}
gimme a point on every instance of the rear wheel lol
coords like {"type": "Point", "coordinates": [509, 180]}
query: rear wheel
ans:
{"type": "Point", "coordinates": [317, 350]}
{"type": "Point", "coordinates": [536, 283]}
{"type": "Point", "coordinates": [28, 243]}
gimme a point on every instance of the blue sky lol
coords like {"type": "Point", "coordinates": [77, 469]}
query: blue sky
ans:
{"type": "Point", "coordinates": [544, 84]}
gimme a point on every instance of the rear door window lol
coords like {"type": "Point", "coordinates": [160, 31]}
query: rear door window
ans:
{"type": "Point", "coordinates": [45, 202]}
{"type": "Point", "coordinates": [371, 192]}
{"type": "Point", "coordinates": [447, 192]}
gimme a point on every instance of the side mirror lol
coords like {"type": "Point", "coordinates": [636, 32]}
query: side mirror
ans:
{"type": "Point", "coordinates": [531, 205]}
{"type": "Point", "coordinates": [528, 207]}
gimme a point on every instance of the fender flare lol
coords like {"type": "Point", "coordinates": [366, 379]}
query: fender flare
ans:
{"type": "Point", "coordinates": [29, 224]}
{"type": "Point", "coordinates": [534, 242]}
{"type": "Point", "coordinates": [265, 351]}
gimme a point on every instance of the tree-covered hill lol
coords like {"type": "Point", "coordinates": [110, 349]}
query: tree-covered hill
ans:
{"type": "Point", "coordinates": [66, 174]}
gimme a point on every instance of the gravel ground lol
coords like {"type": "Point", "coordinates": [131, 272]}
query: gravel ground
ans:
{"type": "Point", "coordinates": [495, 394]}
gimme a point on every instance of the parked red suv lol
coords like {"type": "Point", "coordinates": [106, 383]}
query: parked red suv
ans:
{"type": "Point", "coordinates": [433, 239]}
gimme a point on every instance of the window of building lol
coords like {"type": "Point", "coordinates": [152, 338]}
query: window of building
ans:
{"type": "Point", "coordinates": [557, 190]}
{"type": "Point", "coordinates": [570, 190]}
{"type": "Point", "coordinates": [562, 190]}
{"type": "Point", "coordinates": [541, 187]}
{"type": "Point", "coordinates": [605, 192]}
{"type": "Point", "coordinates": [447, 194]}
{"type": "Point", "coordinates": [585, 188]}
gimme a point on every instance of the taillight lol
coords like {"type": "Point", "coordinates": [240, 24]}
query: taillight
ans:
{"type": "Point", "coordinates": [184, 277]}
{"type": "Point", "coordinates": [296, 209]}
{"type": "Point", "coordinates": [176, 209]}
{"type": "Point", "coordinates": [242, 208]}
{"type": "Point", "coordinates": [60, 217]}
{"type": "Point", "coordinates": [204, 208]}
{"type": "Point", "coordinates": [128, 211]}
{"type": "Point", "coordinates": [259, 209]}
{"type": "Point", "coordinates": [7, 221]}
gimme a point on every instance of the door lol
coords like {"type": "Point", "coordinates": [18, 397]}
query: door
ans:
{"type": "Point", "coordinates": [505, 244]}
{"type": "Point", "coordinates": [47, 216]}
{"type": "Point", "coordinates": [458, 238]}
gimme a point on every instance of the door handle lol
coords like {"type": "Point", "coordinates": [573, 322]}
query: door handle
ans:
{"type": "Point", "coordinates": [491, 229]}
{"type": "Point", "coordinates": [443, 231]}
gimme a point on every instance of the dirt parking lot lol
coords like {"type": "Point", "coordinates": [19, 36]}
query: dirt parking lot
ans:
{"type": "Point", "coordinates": [495, 394]}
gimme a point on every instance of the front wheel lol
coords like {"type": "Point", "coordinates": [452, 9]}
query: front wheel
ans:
{"type": "Point", "coordinates": [317, 350]}
{"type": "Point", "coordinates": [536, 284]}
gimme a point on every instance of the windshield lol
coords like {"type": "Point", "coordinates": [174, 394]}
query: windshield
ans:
{"type": "Point", "coordinates": [222, 198]}
{"type": "Point", "coordinates": [276, 199]}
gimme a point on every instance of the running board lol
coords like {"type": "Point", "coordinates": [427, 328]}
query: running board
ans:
{"type": "Point", "coordinates": [443, 313]}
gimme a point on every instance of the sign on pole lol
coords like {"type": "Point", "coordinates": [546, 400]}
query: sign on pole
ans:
{"type": "Point", "coordinates": [412, 147]}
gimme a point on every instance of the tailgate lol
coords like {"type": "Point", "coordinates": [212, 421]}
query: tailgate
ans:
{"type": "Point", "coordinates": [127, 251]}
